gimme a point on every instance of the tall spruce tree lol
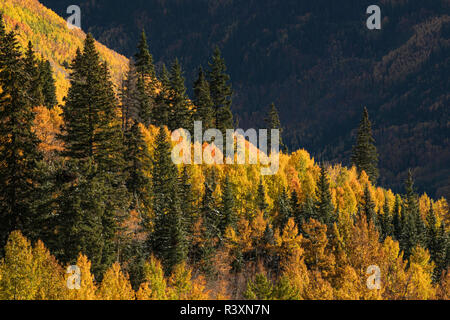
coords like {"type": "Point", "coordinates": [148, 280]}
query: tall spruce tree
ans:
{"type": "Point", "coordinates": [273, 123]}
{"type": "Point", "coordinates": [261, 203]}
{"type": "Point", "coordinates": [18, 143]}
{"type": "Point", "coordinates": [365, 155]}
{"type": "Point", "coordinates": [48, 84]}
{"type": "Point", "coordinates": [31, 64]}
{"type": "Point", "coordinates": [284, 210]}
{"type": "Point", "coordinates": [161, 110]}
{"type": "Point", "coordinates": [368, 207]}
{"type": "Point", "coordinates": [129, 97]}
{"type": "Point", "coordinates": [137, 168]}
{"type": "Point", "coordinates": [221, 92]}
{"type": "Point", "coordinates": [144, 59]}
{"type": "Point", "coordinates": [203, 101]}
{"type": "Point", "coordinates": [324, 209]}
{"type": "Point", "coordinates": [387, 227]}
{"type": "Point", "coordinates": [92, 126]}
{"type": "Point", "coordinates": [168, 237]}
{"type": "Point", "coordinates": [397, 218]}
{"type": "Point", "coordinates": [92, 132]}
{"type": "Point", "coordinates": [180, 115]}
{"type": "Point", "coordinates": [228, 213]}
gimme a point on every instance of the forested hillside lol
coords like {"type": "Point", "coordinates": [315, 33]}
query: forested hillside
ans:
{"type": "Point", "coordinates": [90, 184]}
{"type": "Point", "coordinates": [320, 65]}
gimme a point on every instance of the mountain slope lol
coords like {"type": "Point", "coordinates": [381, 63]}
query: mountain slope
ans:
{"type": "Point", "coordinates": [50, 36]}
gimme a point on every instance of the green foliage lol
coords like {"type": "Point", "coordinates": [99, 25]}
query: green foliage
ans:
{"type": "Point", "coordinates": [220, 92]}
{"type": "Point", "coordinates": [365, 156]}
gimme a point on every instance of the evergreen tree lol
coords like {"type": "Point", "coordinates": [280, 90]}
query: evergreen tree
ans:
{"type": "Point", "coordinates": [92, 127]}
{"type": "Point", "coordinates": [180, 116]}
{"type": "Point", "coordinates": [144, 59]}
{"type": "Point", "coordinates": [34, 89]}
{"type": "Point", "coordinates": [284, 210]}
{"type": "Point", "coordinates": [228, 213]}
{"type": "Point", "coordinates": [19, 153]}
{"type": "Point", "coordinates": [93, 137]}
{"type": "Point", "coordinates": [324, 207]}
{"type": "Point", "coordinates": [365, 156]}
{"type": "Point", "coordinates": [413, 229]}
{"type": "Point", "coordinates": [168, 237]}
{"type": "Point", "coordinates": [273, 122]}
{"type": "Point", "coordinates": [387, 228]}
{"type": "Point", "coordinates": [261, 203]}
{"type": "Point", "coordinates": [144, 103]}
{"type": "Point", "coordinates": [397, 218]}
{"type": "Point", "coordinates": [220, 92]}
{"type": "Point", "coordinates": [308, 211]}
{"type": "Point", "coordinates": [203, 101]}
{"type": "Point", "coordinates": [83, 218]}
{"type": "Point", "coordinates": [48, 84]}
{"type": "Point", "coordinates": [368, 207]}
{"type": "Point", "coordinates": [161, 110]}
{"type": "Point", "coordinates": [211, 218]}
{"type": "Point", "coordinates": [137, 168]}
{"type": "Point", "coordinates": [129, 98]}
{"type": "Point", "coordinates": [296, 209]}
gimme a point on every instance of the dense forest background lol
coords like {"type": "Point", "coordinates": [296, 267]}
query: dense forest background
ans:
{"type": "Point", "coordinates": [318, 62]}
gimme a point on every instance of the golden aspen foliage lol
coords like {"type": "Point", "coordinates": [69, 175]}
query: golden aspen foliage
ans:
{"type": "Point", "coordinates": [47, 125]}
{"type": "Point", "coordinates": [155, 284]}
{"type": "Point", "coordinates": [317, 255]}
{"type": "Point", "coordinates": [144, 292]}
{"type": "Point", "coordinates": [393, 271]}
{"type": "Point", "coordinates": [18, 269]}
{"type": "Point", "coordinates": [182, 287]}
{"type": "Point", "coordinates": [115, 285]}
{"type": "Point", "coordinates": [50, 275]}
{"type": "Point", "coordinates": [88, 288]}
{"type": "Point", "coordinates": [419, 284]}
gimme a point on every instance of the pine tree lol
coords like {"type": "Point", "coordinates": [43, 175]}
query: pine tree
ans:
{"type": "Point", "coordinates": [284, 210]}
{"type": "Point", "coordinates": [414, 232]}
{"type": "Point", "coordinates": [82, 217]}
{"type": "Point", "coordinates": [168, 238]}
{"type": "Point", "coordinates": [180, 116]}
{"type": "Point", "coordinates": [211, 218]}
{"type": "Point", "coordinates": [144, 103]}
{"type": "Point", "coordinates": [137, 168]}
{"type": "Point", "coordinates": [228, 213]}
{"type": "Point", "coordinates": [324, 207]}
{"type": "Point", "coordinates": [387, 227]}
{"type": "Point", "coordinates": [203, 101]}
{"type": "Point", "coordinates": [144, 59]}
{"type": "Point", "coordinates": [308, 211]}
{"type": "Point", "coordinates": [129, 97]}
{"type": "Point", "coordinates": [92, 127]}
{"type": "Point", "coordinates": [365, 156]}
{"type": "Point", "coordinates": [296, 209]}
{"type": "Point", "coordinates": [368, 207]}
{"type": "Point", "coordinates": [220, 92]}
{"type": "Point", "coordinates": [261, 203]}
{"type": "Point", "coordinates": [397, 218]}
{"type": "Point", "coordinates": [19, 153]}
{"type": "Point", "coordinates": [34, 89]}
{"type": "Point", "coordinates": [161, 110]}
{"type": "Point", "coordinates": [48, 84]}
{"type": "Point", "coordinates": [273, 123]}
